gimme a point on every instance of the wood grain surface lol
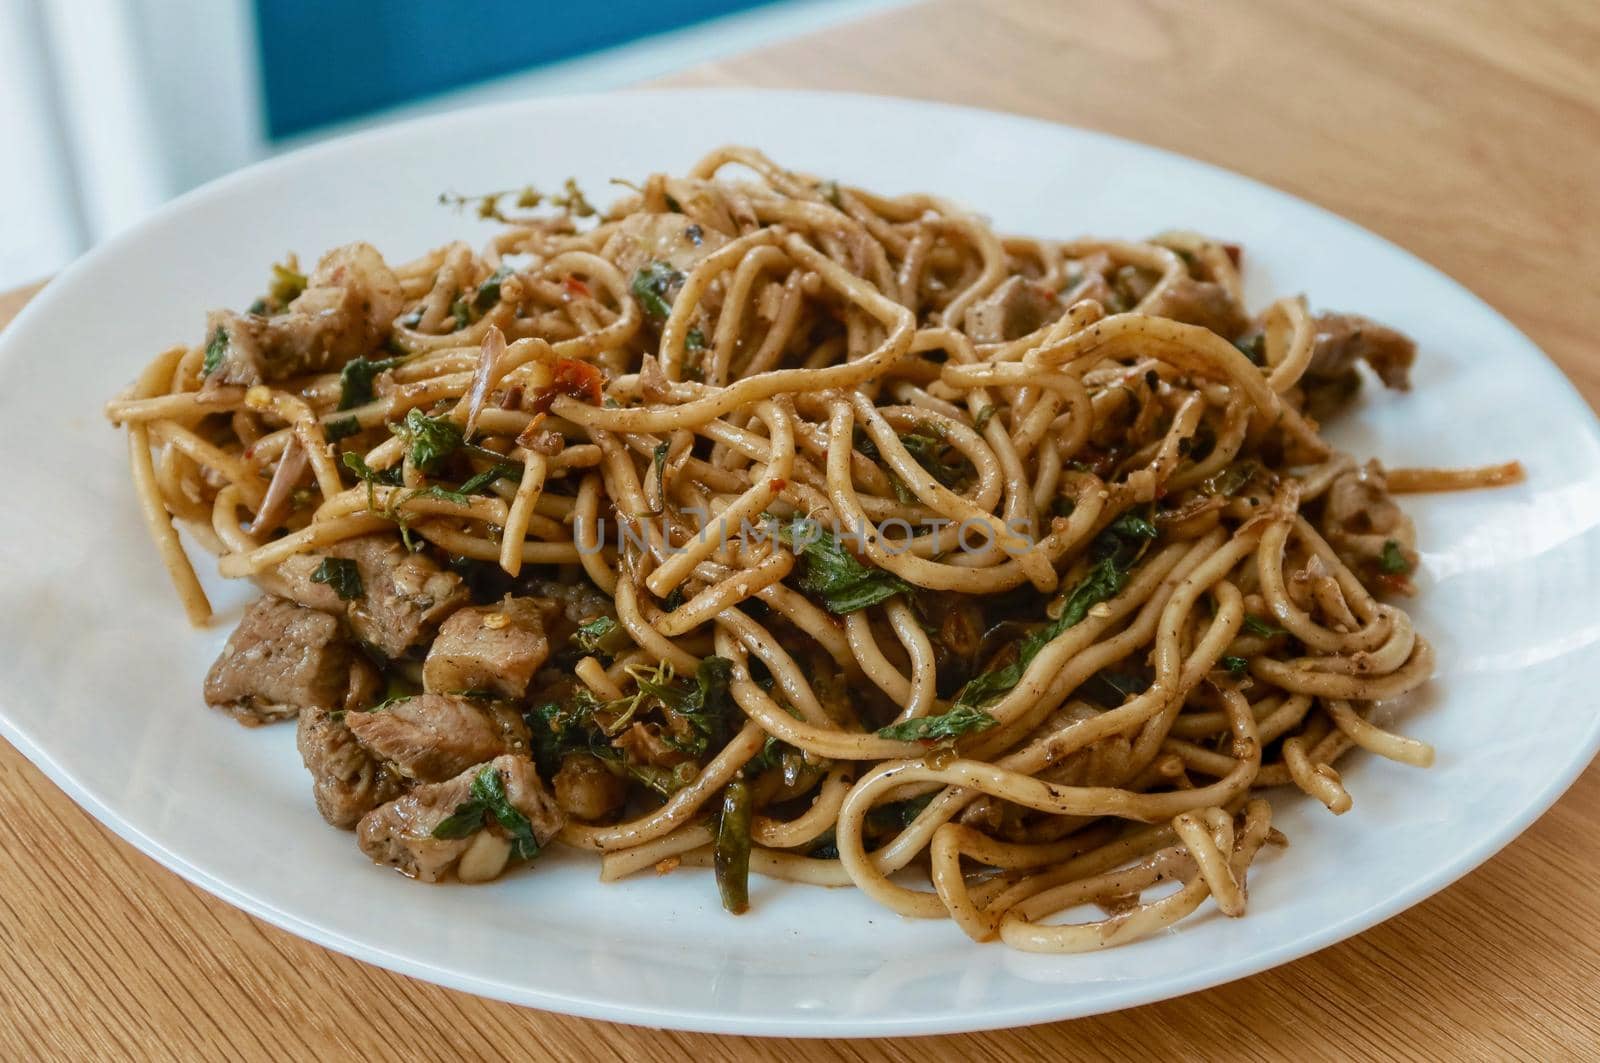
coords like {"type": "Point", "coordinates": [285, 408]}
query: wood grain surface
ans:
{"type": "Point", "coordinates": [1467, 132]}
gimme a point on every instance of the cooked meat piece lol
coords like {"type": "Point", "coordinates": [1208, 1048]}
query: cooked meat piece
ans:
{"type": "Point", "coordinates": [1013, 310]}
{"type": "Point", "coordinates": [1130, 284]}
{"type": "Point", "coordinates": [292, 580]}
{"type": "Point", "coordinates": [347, 309]}
{"type": "Point", "coordinates": [366, 684]}
{"type": "Point", "coordinates": [674, 239]}
{"type": "Point", "coordinates": [647, 742]}
{"type": "Point", "coordinates": [431, 737]}
{"type": "Point", "coordinates": [346, 780]}
{"type": "Point", "coordinates": [280, 659]}
{"type": "Point", "coordinates": [400, 833]}
{"type": "Point", "coordinates": [406, 595]}
{"type": "Point", "coordinates": [1344, 339]}
{"type": "Point", "coordinates": [586, 789]}
{"type": "Point", "coordinates": [489, 647]}
{"type": "Point", "coordinates": [1360, 520]}
{"type": "Point", "coordinates": [1206, 304]}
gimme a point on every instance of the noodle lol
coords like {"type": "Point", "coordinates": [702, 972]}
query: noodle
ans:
{"type": "Point", "coordinates": [864, 539]}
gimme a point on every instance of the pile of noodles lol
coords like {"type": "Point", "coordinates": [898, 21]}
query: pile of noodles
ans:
{"type": "Point", "coordinates": [1109, 564]}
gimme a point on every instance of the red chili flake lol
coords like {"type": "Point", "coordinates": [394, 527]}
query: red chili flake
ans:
{"type": "Point", "coordinates": [1235, 254]}
{"type": "Point", "coordinates": [577, 287]}
{"type": "Point", "coordinates": [513, 398]}
{"type": "Point", "coordinates": [1395, 584]}
{"type": "Point", "coordinates": [580, 380]}
{"type": "Point", "coordinates": [778, 484]}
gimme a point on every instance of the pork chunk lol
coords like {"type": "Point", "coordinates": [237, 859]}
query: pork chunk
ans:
{"type": "Point", "coordinates": [401, 833]}
{"type": "Point", "coordinates": [347, 781]}
{"type": "Point", "coordinates": [404, 595]}
{"type": "Point", "coordinates": [1344, 339]}
{"type": "Point", "coordinates": [586, 789]}
{"type": "Point", "coordinates": [347, 309]}
{"type": "Point", "coordinates": [675, 240]}
{"type": "Point", "coordinates": [432, 737]}
{"type": "Point", "coordinates": [1205, 304]}
{"type": "Point", "coordinates": [1013, 310]}
{"type": "Point", "coordinates": [492, 647]}
{"type": "Point", "coordinates": [280, 659]}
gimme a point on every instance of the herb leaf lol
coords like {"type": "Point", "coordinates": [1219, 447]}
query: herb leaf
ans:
{"type": "Point", "coordinates": [342, 575]}
{"type": "Point", "coordinates": [355, 379]}
{"type": "Point", "coordinates": [430, 439]}
{"type": "Point", "coordinates": [476, 483]}
{"type": "Point", "coordinates": [963, 719]}
{"type": "Point", "coordinates": [600, 635]}
{"type": "Point", "coordinates": [834, 574]}
{"type": "Point", "coordinates": [216, 351]}
{"type": "Point", "coordinates": [1235, 666]}
{"type": "Point", "coordinates": [465, 820]}
{"type": "Point", "coordinates": [1255, 625]}
{"type": "Point", "coordinates": [489, 291]}
{"type": "Point", "coordinates": [339, 428]}
{"type": "Point", "coordinates": [489, 788]}
{"type": "Point", "coordinates": [1392, 562]}
{"type": "Point", "coordinates": [489, 798]}
{"type": "Point", "coordinates": [653, 286]}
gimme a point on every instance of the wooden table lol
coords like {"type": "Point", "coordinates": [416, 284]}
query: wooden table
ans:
{"type": "Point", "coordinates": [1468, 133]}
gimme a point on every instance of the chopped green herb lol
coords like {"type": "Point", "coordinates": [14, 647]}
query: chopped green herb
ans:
{"type": "Point", "coordinates": [355, 379]}
{"type": "Point", "coordinates": [429, 439]}
{"type": "Point", "coordinates": [985, 415]}
{"type": "Point", "coordinates": [963, 719]}
{"type": "Point", "coordinates": [601, 635]}
{"type": "Point", "coordinates": [489, 291]}
{"type": "Point", "coordinates": [833, 573]}
{"type": "Point", "coordinates": [1255, 625]}
{"type": "Point", "coordinates": [572, 199]}
{"type": "Point", "coordinates": [216, 351]}
{"type": "Point", "coordinates": [286, 284]}
{"type": "Point", "coordinates": [830, 192]}
{"type": "Point", "coordinates": [653, 286]}
{"type": "Point", "coordinates": [1235, 666]}
{"type": "Point", "coordinates": [340, 427]}
{"type": "Point", "coordinates": [480, 481]}
{"type": "Point", "coordinates": [489, 798]}
{"type": "Point", "coordinates": [695, 340]}
{"type": "Point", "coordinates": [342, 575]}
{"type": "Point", "coordinates": [1392, 562]}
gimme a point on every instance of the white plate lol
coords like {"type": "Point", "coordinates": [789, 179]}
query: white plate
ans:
{"type": "Point", "coordinates": [100, 675]}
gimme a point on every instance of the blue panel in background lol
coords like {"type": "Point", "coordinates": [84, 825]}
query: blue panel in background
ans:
{"type": "Point", "coordinates": [324, 60]}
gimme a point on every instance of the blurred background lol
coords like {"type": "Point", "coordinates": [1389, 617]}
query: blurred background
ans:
{"type": "Point", "coordinates": [108, 108]}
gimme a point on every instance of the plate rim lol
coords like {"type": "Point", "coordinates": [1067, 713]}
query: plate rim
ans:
{"type": "Point", "coordinates": [1118, 996]}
